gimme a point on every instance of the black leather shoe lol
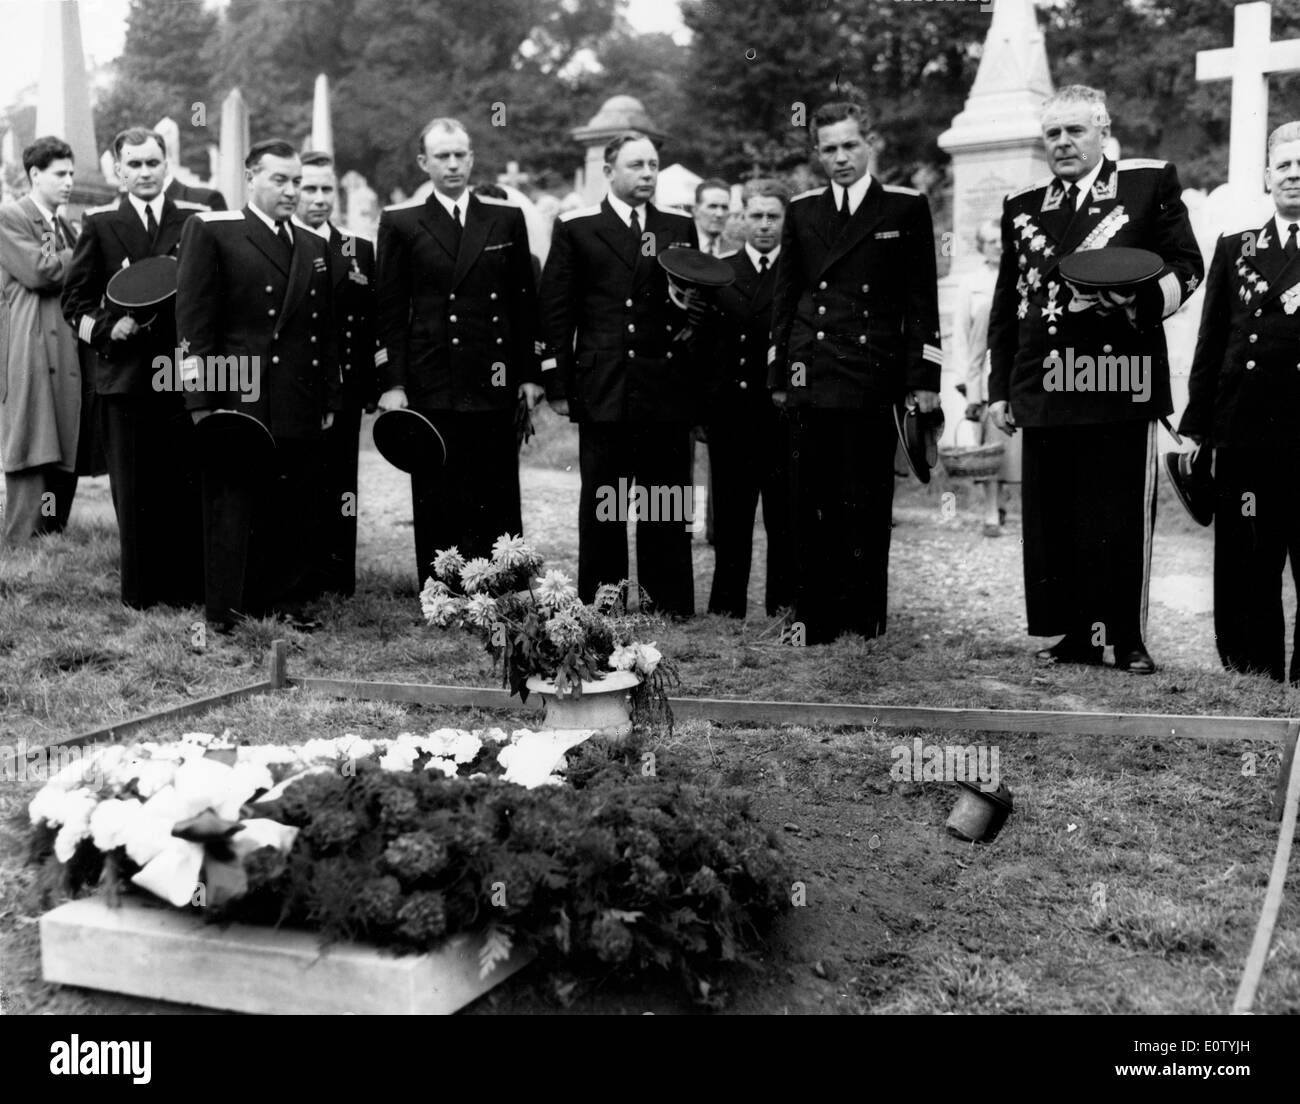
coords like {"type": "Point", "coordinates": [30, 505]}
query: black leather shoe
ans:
{"type": "Point", "coordinates": [1134, 660]}
{"type": "Point", "coordinates": [1068, 650]}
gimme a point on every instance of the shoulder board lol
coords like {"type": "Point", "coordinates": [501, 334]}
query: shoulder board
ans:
{"type": "Point", "coordinates": [101, 210]}
{"type": "Point", "coordinates": [1032, 187]}
{"type": "Point", "coordinates": [1142, 163]}
{"type": "Point", "coordinates": [672, 211]}
{"type": "Point", "coordinates": [808, 194]}
{"type": "Point", "coordinates": [407, 203]}
{"type": "Point", "coordinates": [724, 256]}
{"type": "Point", "coordinates": [189, 205]}
{"type": "Point", "coordinates": [494, 201]}
{"type": "Point", "coordinates": [220, 216]}
{"type": "Point", "coordinates": [898, 189]}
{"type": "Point", "coordinates": [581, 212]}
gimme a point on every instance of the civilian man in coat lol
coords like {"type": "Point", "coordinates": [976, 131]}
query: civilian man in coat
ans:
{"type": "Point", "coordinates": [40, 375]}
{"type": "Point", "coordinates": [855, 329]}
{"type": "Point", "coordinates": [457, 334]}
{"type": "Point", "coordinates": [749, 447]}
{"type": "Point", "coordinates": [352, 261]}
{"type": "Point", "coordinates": [1244, 402]}
{"type": "Point", "coordinates": [255, 288]}
{"type": "Point", "coordinates": [147, 434]}
{"type": "Point", "coordinates": [1090, 447]}
{"type": "Point", "coordinates": [615, 367]}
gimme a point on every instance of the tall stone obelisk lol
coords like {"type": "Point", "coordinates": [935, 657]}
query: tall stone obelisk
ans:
{"type": "Point", "coordinates": [995, 143]}
{"type": "Point", "coordinates": [322, 128]}
{"type": "Point", "coordinates": [63, 102]}
{"type": "Point", "coordinates": [234, 149]}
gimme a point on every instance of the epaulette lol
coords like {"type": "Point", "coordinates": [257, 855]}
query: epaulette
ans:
{"type": "Point", "coordinates": [190, 205]}
{"type": "Point", "coordinates": [1142, 163]}
{"type": "Point", "coordinates": [898, 189]}
{"type": "Point", "coordinates": [101, 210]}
{"type": "Point", "coordinates": [808, 194]}
{"type": "Point", "coordinates": [580, 212]}
{"type": "Point", "coordinates": [672, 211]}
{"type": "Point", "coordinates": [1032, 187]}
{"type": "Point", "coordinates": [493, 199]}
{"type": "Point", "coordinates": [219, 216]}
{"type": "Point", "coordinates": [405, 204]}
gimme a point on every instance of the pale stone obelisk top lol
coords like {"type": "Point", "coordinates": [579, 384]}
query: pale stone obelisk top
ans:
{"type": "Point", "coordinates": [1247, 63]}
{"type": "Point", "coordinates": [322, 128]}
{"type": "Point", "coordinates": [63, 104]}
{"type": "Point", "coordinates": [234, 149]}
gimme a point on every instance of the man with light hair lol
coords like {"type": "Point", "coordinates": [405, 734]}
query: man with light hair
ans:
{"type": "Point", "coordinates": [1244, 402]}
{"type": "Point", "coordinates": [1089, 488]}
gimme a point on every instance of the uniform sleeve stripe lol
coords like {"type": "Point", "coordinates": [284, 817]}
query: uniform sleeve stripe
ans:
{"type": "Point", "coordinates": [933, 354]}
{"type": "Point", "coordinates": [1172, 292]}
{"type": "Point", "coordinates": [381, 357]}
{"type": "Point", "coordinates": [190, 369]}
{"type": "Point", "coordinates": [771, 354]}
{"type": "Point", "coordinates": [550, 364]}
{"type": "Point", "coordinates": [86, 328]}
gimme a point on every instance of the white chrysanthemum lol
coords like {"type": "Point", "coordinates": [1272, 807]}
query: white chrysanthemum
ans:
{"type": "Point", "coordinates": [352, 746]}
{"type": "Point", "coordinates": [75, 818]}
{"type": "Point", "coordinates": [477, 574]}
{"type": "Point", "coordinates": [564, 630]}
{"type": "Point", "coordinates": [400, 756]}
{"type": "Point", "coordinates": [649, 657]}
{"type": "Point", "coordinates": [510, 552]}
{"type": "Point", "coordinates": [432, 589]}
{"type": "Point", "coordinates": [448, 563]}
{"type": "Point", "coordinates": [623, 658]}
{"type": "Point", "coordinates": [556, 589]}
{"type": "Point", "coordinates": [494, 735]}
{"type": "Point", "coordinates": [442, 610]}
{"type": "Point", "coordinates": [445, 765]}
{"type": "Point", "coordinates": [151, 775]}
{"type": "Point", "coordinates": [481, 610]}
{"type": "Point", "coordinates": [110, 821]}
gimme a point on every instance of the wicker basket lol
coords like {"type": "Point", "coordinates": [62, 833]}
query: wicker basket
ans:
{"type": "Point", "coordinates": [972, 461]}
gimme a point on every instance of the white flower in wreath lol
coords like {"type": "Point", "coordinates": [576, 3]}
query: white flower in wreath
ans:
{"type": "Point", "coordinates": [556, 589]}
{"type": "Point", "coordinates": [447, 766]}
{"type": "Point", "coordinates": [110, 822]}
{"type": "Point", "coordinates": [477, 574]}
{"type": "Point", "coordinates": [481, 610]}
{"type": "Point", "coordinates": [74, 816]}
{"type": "Point", "coordinates": [510, 552]}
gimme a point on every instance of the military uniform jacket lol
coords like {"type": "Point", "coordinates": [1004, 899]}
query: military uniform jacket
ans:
{"type": "Point", "coordinates": [855, 312]}
{"type": "Point", "coordinates": [1245, 383]}
{"type": "Point", "coordinates": [610, 329]}
{"type": "Point", "coordinates": [113, 237]}
{"type": "Point", "coordinates": [1035, 316]}
{"type": "Point", "coordinates": [207, 197]}
{"type": "Point", "coordinates": [457, 325]}
{"type": "Point", "coordinates": [352, 268]}
{"type": "Point", "coordinates": [241, 294]}
{"type": "Point", "coordinates": [735, 353]}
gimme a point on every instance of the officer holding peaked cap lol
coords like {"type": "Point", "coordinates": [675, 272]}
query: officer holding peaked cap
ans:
{"type": "Point", "coordinates": [1244, 403]}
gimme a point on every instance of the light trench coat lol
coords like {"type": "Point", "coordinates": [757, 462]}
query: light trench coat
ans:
{"type": "Point", "coordinates": [40, 374]}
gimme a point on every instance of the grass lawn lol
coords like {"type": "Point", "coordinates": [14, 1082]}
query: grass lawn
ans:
{"type": "Point", "coordinates": [1129, 878]}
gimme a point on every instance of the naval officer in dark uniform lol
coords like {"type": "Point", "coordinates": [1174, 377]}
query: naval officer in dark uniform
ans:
{"type": "Point", "coordinates": [147, 434]}
{"type": "Point", "coordinates": [1244, 402]}
{"type": "Point", "coordinates": [616, 368]}
{"type": "Point", "coordinates": [1086, 376]}
{"type": "Point", "coordinates": [352, 269]}
{"type": "Point", "coordinates": [749, 443]}
{"type": "Point", "coordinates": [254, 318]}
{"type": "Point", "coordinates": [855, 330]}
{"type": "Point", "coordinates": [458, 344]}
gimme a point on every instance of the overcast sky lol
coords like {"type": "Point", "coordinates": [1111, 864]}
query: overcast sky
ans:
{"type": "Point", "coordinates": [103, 26]}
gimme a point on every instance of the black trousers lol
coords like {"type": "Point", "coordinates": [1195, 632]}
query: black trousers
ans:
{"type": "Point", "coordinates": [152, 467]}
{"type": "Point", "coordinates": [1256, 527]}
{"type": "Point", "coordinates": [1089, 498]}
{"type": "Point", "coordinates": [749, 459]}
{"type": "Point", "coordinates": [261, 529]}
{"type": "Point", "coordinates": [842, 478]}
{"type": "Point", "coordinates": [474, 497]}
{"type": "Point", "coordinates": [655, 457]}
{"type": "Point", "coordinates": [339, 501]}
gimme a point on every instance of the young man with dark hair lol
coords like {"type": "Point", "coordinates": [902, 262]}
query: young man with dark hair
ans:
{"type": "Point", "coordinates": [147, 435]}
{"type": "Point", "coordinates": [255, 298]}
{"type": "Point", "coordinates": [855, 330]}
{"type": "Point", "coordinates": [352, 271]}
{"type": "Point", "coordinates": [40, 374]}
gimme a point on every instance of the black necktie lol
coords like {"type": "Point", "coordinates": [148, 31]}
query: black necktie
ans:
{"type": "Point", "coordinates": [150, 223]}
{"type": "Point", "coordinates": [635, 224]}
{"type": "Point", "coordinates": [282, 232]}
{"type": "Point", "coordinates": [1290, 240]}
{"type": "Point", "coordinates": [1071, 191]}
{"type": "Point", "coordinates": [61, 239]}
{"type": "Point", "coordinates": [762, 265]}
{"type": "Point", "coordinates": [844, 212]}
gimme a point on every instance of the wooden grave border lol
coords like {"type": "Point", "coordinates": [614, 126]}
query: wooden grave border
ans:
{"type": "Point", "coordinates": [1279, 730]}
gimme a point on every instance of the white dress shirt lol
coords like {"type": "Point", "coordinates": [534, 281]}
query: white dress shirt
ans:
{"type": "Point", "coordinates": [452, 206]}
{"type": "Point", "coordinates": [624, 211]}
{"type": "Point", "coordinates": [857, 193]}
{"type": "Point", "coordinates": [140, 207]}
{"type": "Point", "coordinates": [754, 255]}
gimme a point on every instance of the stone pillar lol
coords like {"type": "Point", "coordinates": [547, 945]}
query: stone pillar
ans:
{"type": "Point", "coordinates": [322, 127]}
{"type": "Point", "coordinates": [63, 104]}
{"type": "Point", "coordinates": [234, 149]}
{"type": "Point", "coordinates": [617, 114]}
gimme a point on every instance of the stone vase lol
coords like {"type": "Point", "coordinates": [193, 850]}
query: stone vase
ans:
{"type": "Point", "coordinates": [604, 705]}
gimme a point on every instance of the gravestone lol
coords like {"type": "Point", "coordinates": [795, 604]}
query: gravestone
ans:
{"type": "Point", "coordinates": [322, 127]}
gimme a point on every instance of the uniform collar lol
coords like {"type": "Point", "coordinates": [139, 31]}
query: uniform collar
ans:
{"type": "Point", "coordinates": [321, 231]}
{"type": "Point", "coordinates": [624, 211]}
{"type": "Point", "coordinates": [449, 205]}
{"type": "Point", "coordinates": [141, 206]}
{"type": "Point", "coordinates": [1282, 225]}
{"type": "Point", "coordinates": [267, 219]}
{"type": "Point", "coordinates": [1085, 183]}
{"type": "Point", "coordinates": [857, 192]}
{"type": "Point", "coordinates": [754, 255]}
